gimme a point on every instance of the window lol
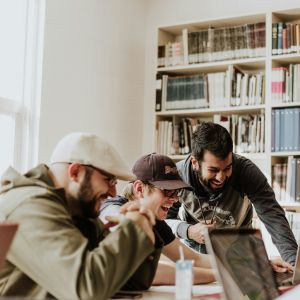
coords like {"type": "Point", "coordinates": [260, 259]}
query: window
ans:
{"type": "Point", "coordinates": [21, 37]}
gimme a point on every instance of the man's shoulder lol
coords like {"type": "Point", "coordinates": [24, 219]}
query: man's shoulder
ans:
{"type": "Point", "coordinates": [117, 201]}
{"type": "Point", "coordinates": [240, 159]}
{"type": "Point", "coordinates": [164, 231]}
{"type": "Point", "coordinates": [243, 165]}
{"type": "Point", "coordinates": [182, 164]}
{"type": "Point", "coordinates": [30, 194]}
{"type": "Point", "coordinates": [246, 175]}
{"type": "Point", "coordinates": [184, 167]}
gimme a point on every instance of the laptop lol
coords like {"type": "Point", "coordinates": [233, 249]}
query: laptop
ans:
{"type": "Point", "coordinates": [7, 233]}
{"type": "Point", "coordinates": [285, 279]}
{"type": "Point", "coordinates": [240, 259]}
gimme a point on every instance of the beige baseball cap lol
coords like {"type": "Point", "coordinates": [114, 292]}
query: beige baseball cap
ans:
{"type": "Point", "coordinates": [89, 149]}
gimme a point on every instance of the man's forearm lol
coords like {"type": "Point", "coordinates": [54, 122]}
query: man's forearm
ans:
{"type": "Point", "coordinates": [166, 271]}
{"type": "Point", "coordinates": [179, 228]}
{"type": "Point", "coordinates": [203, 275]}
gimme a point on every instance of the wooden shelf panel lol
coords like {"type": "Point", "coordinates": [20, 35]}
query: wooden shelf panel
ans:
{"type": "Point", "coordinates": [229, 21]}
{"type": "Point", "coordinates": [252, 156]}
{"type": "Point", "coordinates": [285, 153]}
{"type": "Point", "coordinates": [286, 104]}
{"type": "Point", "coordinates": [292, 58]}
{"type": "Point", "coordinates": [291, 206]}
{"type": "Point", "coordinates": [249, 64]}
{"type": "Point", "coordinates": [287, 15]}
{"type": "Point", "coordinates": [212, 111]}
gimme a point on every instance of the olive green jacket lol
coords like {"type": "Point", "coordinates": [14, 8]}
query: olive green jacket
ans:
{"type": "Point", "coordinates": [50, 256]}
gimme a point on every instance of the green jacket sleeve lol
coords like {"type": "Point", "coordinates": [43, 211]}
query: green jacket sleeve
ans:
{"type": "Point", "coordinates": [144, 275]}
{"type": "Point", "coordinates": [50, 250]}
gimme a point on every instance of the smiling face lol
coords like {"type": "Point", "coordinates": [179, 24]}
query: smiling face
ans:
{"type": "Point", "coordinates": [213, 172]}
{"type": "Point", "coordinates": [159, 203]}
{"type": "Point", "coordinates": [93, 188]}
{"type": "Point", "coordinates": [154, 198]}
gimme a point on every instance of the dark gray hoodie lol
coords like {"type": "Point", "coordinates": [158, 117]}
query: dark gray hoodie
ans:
{"type": "Point", "coordinates": [232, 206]}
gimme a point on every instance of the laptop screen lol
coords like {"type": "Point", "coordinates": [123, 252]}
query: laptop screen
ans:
{"type": "Point", "coordinates": [243, 264]}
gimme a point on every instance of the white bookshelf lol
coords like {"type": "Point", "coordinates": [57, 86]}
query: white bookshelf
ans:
{"type": "Point", "coordinates": [253, 63]}
{"type": "Point", "coordinates": [265, 63]}
{"type": "Point", "coordinates": [211, 111]}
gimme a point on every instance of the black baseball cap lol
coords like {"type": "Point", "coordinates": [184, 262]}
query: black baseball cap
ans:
{"type": "Point", "coordinates": [159, 170]}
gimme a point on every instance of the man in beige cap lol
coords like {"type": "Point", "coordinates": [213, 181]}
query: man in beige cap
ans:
{"type": "Point", "coordinates": [50, 256]}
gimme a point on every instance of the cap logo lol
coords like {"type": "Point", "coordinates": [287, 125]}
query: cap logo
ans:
{"type": "Point", "coordinates": [169, 169]}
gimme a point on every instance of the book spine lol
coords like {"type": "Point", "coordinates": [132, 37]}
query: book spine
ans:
{"type": "Point", "coordinates": [273, 131]}
{"type": "Point", "coordinates": [297, 187]}
{"type": "Point", "coordinates": [274, 39]}
{"type": "Point", "coordinates": [158, 89]}
{"type": "Point", "coordinates": [279, 37]}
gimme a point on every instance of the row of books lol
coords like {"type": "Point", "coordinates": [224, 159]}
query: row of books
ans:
{"type": "Point", "coordinates": [235, 88]}
{"type": "Point", "coordinates": [286, 180]}
{"type": "Point", "coordinates": [247, 132]}
{"type": "Point", "coordinates": [294, 222]}
{"type": "Point", "coordinates": [214, 44]}
{"type": "Point", "coordinates": [285, 87]}
{"type": "Point", "coordinates": [174, 138]}
{"type": "Point", "coordinates": [170, 54]}
{"type": "Point", "coordinates": [285, 37]}
{"type": "Point", "coordinates": [183, 92]}
{"type": "Point", "coordinates": [222, 89]}
{"type": "Point", "coordinates": [285, 129]}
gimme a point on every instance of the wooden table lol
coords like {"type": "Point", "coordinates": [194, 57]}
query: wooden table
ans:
{"type": "Point", "coordinates": [166, 292]}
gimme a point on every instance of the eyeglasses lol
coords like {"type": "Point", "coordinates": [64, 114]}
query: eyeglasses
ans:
{"type": "Point", "coordinates": [111, 179]}
{"type": "Point", "coordinates": [173, 193]}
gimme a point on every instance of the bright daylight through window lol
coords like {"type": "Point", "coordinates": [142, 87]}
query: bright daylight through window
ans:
{"type": "Point", "coordinates": [21, 36]}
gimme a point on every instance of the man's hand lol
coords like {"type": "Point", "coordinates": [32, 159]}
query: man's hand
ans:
{"type": "Point", "coordinates": [195, 232]}
{"type": "Point", "coordinates": [113, 221]}
{"type": "Point", "coordinates": [141, 215]}
{"type": "Point", "coordinates": [138, 205]}
{"type": "Point", "coordinates": [281, 266]}
{"type": "Point", "coordinates": [142, 221]}
{"type": "Point", "coordinates": [136, 217]}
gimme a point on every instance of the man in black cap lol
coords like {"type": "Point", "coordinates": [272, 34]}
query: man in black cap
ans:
{"type": "Point", "coordinates": [158, 187]}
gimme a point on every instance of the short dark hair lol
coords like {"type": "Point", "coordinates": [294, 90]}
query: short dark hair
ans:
{"type": "Point", "coordinates": [213, 138]}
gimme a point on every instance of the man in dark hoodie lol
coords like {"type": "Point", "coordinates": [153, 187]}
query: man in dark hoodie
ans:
{"type": "Point", "coordinates": [225, 187]}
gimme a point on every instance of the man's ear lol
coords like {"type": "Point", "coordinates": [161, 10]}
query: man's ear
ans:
{"type": "Point", "coordinates": [138, 188]}
{"type": "Point", "coordinates": [73, 171]}
{"type": "Point", "coordinates": [195, 163]}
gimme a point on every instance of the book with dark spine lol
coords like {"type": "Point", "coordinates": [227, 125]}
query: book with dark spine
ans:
{"type": "Point", "coordinates": [274, 39]}
{"type": "Point", "coordinates": [158, 92]}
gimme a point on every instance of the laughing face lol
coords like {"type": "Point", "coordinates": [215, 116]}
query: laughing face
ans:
{"type": "Point", "coordinates": [213, 172]}
{"type": "Point", "coordinates": [94, 189]}
{"type": "Point", "coordinates": [159, 203]}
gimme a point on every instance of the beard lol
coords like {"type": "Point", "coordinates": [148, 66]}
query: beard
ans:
{"type": "Point", "coordinates": [215, 190]}
{"type": "Point", "coordinates": [87, 202]}
{"type": "Point", "coordinates": [207, 183]}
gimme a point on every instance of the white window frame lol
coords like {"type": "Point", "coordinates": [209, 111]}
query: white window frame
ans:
{"type": "Point", "coordinates": [26, 113]}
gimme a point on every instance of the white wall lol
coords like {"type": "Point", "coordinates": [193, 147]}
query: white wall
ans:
{"type": "Point", "coordinates": [99, 65]}
{"type": "Point", "coordinates": [12, 17]}
{"type": "Point", "coordinates": [93, 73]}
{"type": "Point", "coordinates": [168, 12]}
